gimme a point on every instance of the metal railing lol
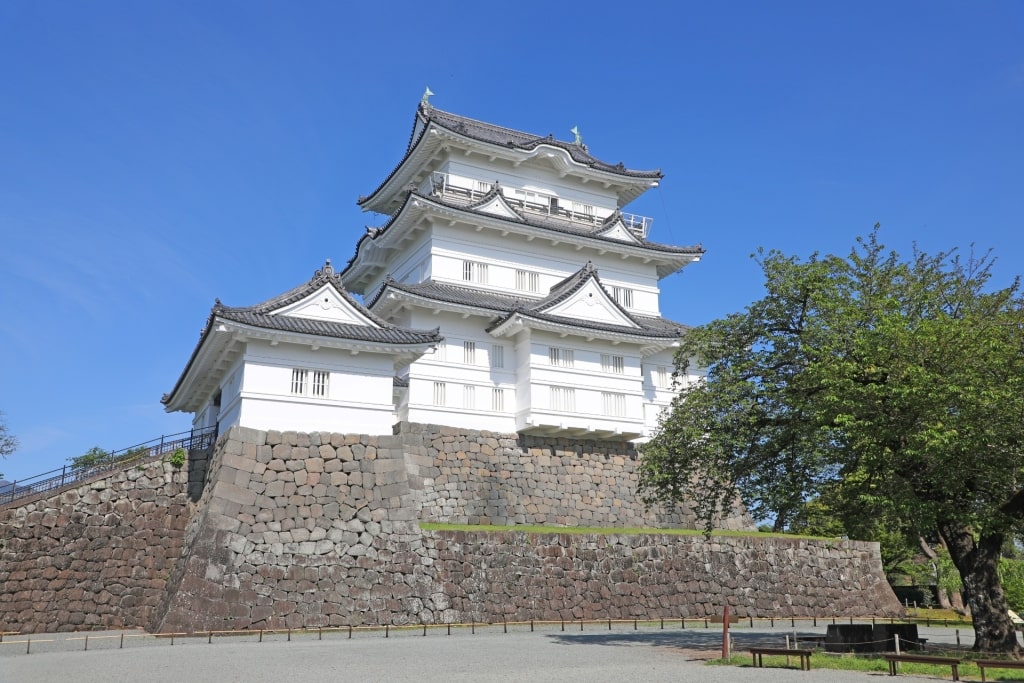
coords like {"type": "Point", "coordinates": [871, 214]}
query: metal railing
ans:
{"type": "Point", "coordinates": [540, 203]}
{"type": "Point", "coordinates": [196, 439]}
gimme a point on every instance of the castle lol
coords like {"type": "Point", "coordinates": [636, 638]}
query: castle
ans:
{"type": "Point", "coordinates": [507, 291]}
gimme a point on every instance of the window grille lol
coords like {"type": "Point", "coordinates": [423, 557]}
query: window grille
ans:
{"type": "Point", "coordinates": [562, 358]}
{"type": "Point", "coordinates": [439, 393]}
{"type": "Point", "coordinates": [469, 397]}
{"type": "Point", "coordinates": [612, 364]}
{"type": "Point", "coordinates": [563, 398]}
{"type": "Point", "coordinates": [613, 404]}
{"type": "Point", "coordinates": [497, 356]}
{"type": "Point", "coordinates": [662, 377]}
{"type": "Point", "coordinates": [469, 353]}
{"type": "Point", "coordinates": [439, 352]}
{"type": "Point", "coordinates": [299, 381]}
{"type": "Point", "coordinates": [320, 383]}
{"type": "Point", "coordinates": [473, 271]}
{"type": "Point", "coordinates": [623, 296]}
{"type": "Point", "coordinates": [498, 400]}
{"type": "Point", "coordinates": [527, 281]}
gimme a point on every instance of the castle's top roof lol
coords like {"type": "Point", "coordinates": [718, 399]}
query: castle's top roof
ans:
{"type": "Point", "coordinates": [430, 125]}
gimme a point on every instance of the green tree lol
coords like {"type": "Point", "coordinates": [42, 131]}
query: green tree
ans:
{"type": "Point", "coordinates": [895, 387]}
{"type": "Point", "coordinates": [92, 457]}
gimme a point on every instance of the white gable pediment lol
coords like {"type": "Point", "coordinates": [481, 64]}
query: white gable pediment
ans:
{"type": "Point", "coordinates": [592, 303]}
{"type": "Point", "coordinates": [499, 207]}
{"type": "Point", "coordinates": [618, 231]}
{"type": "Point", "coordinates": [326, 304]}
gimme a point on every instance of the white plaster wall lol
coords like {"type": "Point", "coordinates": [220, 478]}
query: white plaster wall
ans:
{"type": "Point", "coordinates": [451, 245]}
{"type": "Point", "coordinates": [360, 390]}
{"type": "Point", "coordinates": [533, 176]}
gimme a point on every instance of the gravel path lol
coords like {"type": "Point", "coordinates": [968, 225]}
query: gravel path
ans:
{"type": "Point", "coordinates": [621, 655]}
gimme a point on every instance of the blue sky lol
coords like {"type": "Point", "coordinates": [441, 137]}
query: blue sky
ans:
{"type": "Point", "coordinates": [156, 155]}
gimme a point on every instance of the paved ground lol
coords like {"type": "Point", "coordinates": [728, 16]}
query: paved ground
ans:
{"type": "Point", "coordinates": [621, 655]}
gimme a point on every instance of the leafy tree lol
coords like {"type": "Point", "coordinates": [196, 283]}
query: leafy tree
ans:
{"type": "Point", "coordinates": [91, 458]}
{"type": "Point", "coordinates": [8, 442]}
{"type": "Point", "coordinates": [893, 387]}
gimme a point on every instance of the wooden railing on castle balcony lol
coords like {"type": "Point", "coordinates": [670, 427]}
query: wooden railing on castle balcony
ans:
{"type": "Point", "coordinates": [196, 439]}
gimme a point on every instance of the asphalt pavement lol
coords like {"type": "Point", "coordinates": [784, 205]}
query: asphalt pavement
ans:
{"type": "Point", "coordinates": [619, 655]}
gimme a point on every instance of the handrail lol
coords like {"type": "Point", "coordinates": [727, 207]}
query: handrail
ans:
{"type": "Point", "coordinates": [195, 439]}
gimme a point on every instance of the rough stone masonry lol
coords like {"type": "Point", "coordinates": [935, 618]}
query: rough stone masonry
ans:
{"type": "Point", "coordinates": [322, 529]}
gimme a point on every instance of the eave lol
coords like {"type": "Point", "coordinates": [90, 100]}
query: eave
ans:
{"type": "Point", "coordinates": [435, 140]}
{"type": "Point", "coordinates": [372, 251]}
{"type": "Point", "coordinates": [520, 321]}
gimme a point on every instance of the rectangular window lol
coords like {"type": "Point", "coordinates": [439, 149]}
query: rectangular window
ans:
{"type": "Point", "coordinates": [320, 383]}
{"type": "Point", "coordinates": [480, 187]}
{"type": "Point", "coordinates": [623, 296]}
{"type": "Point", "coordinates": [583, 209]}
{"type": "Point", "coordinates": [612, 364]}
{"type": "Point", "coordinates": [661, 377]}
{"type": "Point", "coordinates": [497, 356]}
{"type": "Point", "coordinates": [527, 281]}
{"type": "Point", "coordinates": [562, 358]}
{"type": "Point", "coordinates": [498, 400]}
{"type": "Point", "coordinates": [439, 393]}
{"type": "Point", "coordinates": [613, 404]}
{"type": "Point", "coordinates": [299, 381]}
{"type": "Point", "coordinates": [439, 352]}
{"type": "Point", "coordinates": [469, 397]}
{"type": "Point", "coordinates": [469, 353]}
{"type": "Point", "coordinates": [563, 398]}
{"type": "Point", "coordinates": [473, 271]}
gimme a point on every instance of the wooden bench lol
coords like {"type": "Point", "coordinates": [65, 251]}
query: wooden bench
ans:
{"type": "Point", "coordinates": [804, 655]}
{"type": "Point", "coordinates": [998, 664]}
{"type": "Point", "coordinates": [923, 659]}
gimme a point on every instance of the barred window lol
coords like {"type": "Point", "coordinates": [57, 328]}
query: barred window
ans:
{"type": "Point", "coordinates": [498, 400]}
{"type": "Point", "coordinates": [527, 281]}
{"type": "Point", "coordinates": [613, 404]}
{"type": "Point", "coordinates": [563, 398]}
{"type": "Point", "coordinates": [321, 378]}
{"type": "Point", "coordinates": [662, 377]}
{"type": "Point", "coordinates": [562, 358]}
{"type": "Point", "coordinates": [473, 271]}
{"type": "Point", "coordinates": [623, 296]}
{"type": "Point", "coordinates": [469, 397]}
{"type": "Point", "coordinates": [439, 393]}
{"type": "Point", "coordinates": [299, 381]}
{"type": "Point", "coordinates": [469, 353]}
{"type": "Point", "coordinates": [497, 356]}
{"type": "Point", "coordinates": [612, 364]}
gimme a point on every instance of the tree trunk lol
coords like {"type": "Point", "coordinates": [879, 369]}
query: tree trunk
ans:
{"type": "Point", "coordinates": [934, 557]}
{"type": "Point", "coordinates": [978, 563]}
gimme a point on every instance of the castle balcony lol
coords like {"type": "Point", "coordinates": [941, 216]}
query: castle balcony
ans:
{"type": "Point", "coordinates": [465, 190]}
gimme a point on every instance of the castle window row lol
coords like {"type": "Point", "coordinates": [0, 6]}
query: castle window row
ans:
{"type": "Point", "coordinates": [469, 397]}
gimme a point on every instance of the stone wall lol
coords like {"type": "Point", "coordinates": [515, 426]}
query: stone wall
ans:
{"type": "Point", "coordinates": [474, 477]}
{"type": "Point", "coordinates": [320, 530]}
{"type": "Point", "coordinates": [96, 555]}
{"type": "Point", "coordinates": [291, 530]}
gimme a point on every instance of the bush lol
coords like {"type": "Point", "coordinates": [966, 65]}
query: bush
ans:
{"type": "Point", "coordinates": [178, 458]}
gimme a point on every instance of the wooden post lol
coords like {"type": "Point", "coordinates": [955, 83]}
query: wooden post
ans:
{"type": "Point", "coordinates": [725, 632]}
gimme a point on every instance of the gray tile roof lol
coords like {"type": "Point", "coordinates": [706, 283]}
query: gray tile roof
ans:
{"type": "Point", "coordinates": [503, 306]}
{"type": "Point", "coordinates": [564, 227]}
{"type": "Point", "coordinates": [506, 137]}
{"type": "Point", "coordinates": [260, 315]}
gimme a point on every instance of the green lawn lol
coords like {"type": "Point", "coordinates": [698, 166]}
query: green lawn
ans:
{"type": "Point", "coordinates": [872, 664]}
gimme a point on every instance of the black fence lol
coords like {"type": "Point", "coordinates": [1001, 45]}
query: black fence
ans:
{"type": "Point", "coordinates": [196, 439]}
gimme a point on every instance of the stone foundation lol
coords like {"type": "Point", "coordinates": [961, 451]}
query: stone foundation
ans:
{"type": "Point", "coordinates": [321, 529]}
